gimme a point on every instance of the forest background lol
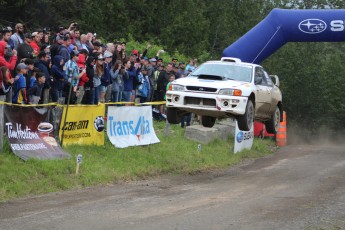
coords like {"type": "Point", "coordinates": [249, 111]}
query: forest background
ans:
{"type": "Point", "coordinates": [311, 74]}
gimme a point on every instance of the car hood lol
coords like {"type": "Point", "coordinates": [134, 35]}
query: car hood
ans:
{"type": "Point", "coordinates": [219, 84]}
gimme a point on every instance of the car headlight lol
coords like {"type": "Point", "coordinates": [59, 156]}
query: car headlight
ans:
{"type": "Point", "coordinates": [174, 87]}
{"type": "Point", "coordinates": [231, 92]}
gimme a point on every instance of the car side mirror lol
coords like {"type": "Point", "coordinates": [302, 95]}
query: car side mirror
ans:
{"type": "Point", "coordinates": [258, 80]}
{"type": "Point", "coordinates": [275, 80]}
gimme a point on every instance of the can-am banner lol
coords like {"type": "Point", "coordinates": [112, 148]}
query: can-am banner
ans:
{"type": "Point", "coordinates": [30, 132]}
{"type": "Point", "coordinates": [84, 125]}
{"type": "Point", "coordinates": [130, 126]}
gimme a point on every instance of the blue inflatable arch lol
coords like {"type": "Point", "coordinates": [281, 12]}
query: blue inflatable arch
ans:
{"type": "Point", "coordinates": [282, 26]}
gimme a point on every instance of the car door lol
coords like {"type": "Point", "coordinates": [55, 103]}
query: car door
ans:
{"type": "Point", "coordinates": [263, 98]}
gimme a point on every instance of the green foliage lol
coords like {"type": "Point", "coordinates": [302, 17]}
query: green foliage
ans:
{"type": "Point", "coordinates": [107, 164]}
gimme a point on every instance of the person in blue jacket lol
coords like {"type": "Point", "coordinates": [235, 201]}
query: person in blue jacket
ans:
{"type": "Point", "coordinates": [59, 78]}
{"type": "Point", "coordinates": [128, 83]}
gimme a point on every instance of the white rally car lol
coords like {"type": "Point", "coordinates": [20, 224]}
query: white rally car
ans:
{"type": "Point", "coordinates": [227, 88]}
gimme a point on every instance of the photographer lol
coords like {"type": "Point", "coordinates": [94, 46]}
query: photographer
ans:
{"type": "Point", "coordinates": [83, 79]}
{"type": "Point", "coordinates": [118, 75]}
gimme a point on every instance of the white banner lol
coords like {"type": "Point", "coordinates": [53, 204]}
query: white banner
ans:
{"type": "Point", "coordinates": [243, 139]}
{"type": "Point", "coordinates": [130, 126]}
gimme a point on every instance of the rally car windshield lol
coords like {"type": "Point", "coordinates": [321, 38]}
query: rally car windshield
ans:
{"type": "Point", "coordinates": [227, 72]}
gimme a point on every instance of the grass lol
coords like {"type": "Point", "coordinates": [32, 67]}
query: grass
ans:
{"type": "Point", "coordinates": [107, 164]}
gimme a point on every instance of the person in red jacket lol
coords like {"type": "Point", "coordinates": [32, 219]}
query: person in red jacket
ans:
{"type": "Point", "coordinates": [83, 79]}
{"type": "Point", "coordinates": [35, 43]}
{"type": "Point", "coordinates": [12, 63]}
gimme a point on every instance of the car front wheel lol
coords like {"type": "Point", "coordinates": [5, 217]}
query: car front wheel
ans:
{"type": "Point", "coordinates": [245, 121]}
{"type": "Point", "coordinates": [273, 123]}
{"type": "Point", "coordinates": [173, 115]}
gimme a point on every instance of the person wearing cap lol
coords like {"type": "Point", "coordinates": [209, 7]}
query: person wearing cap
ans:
{"type": "Point", "coordinates": [143, 88]}
{"type": "Point", "coordinates": [105, 90]}
{"type": "Point", "coordinates": [6, 37]}
{"type": "Point", "coordinates": [35, 43]}
{"type": "Point", "coordinates": [59, 77]}
{"type": "Point", "coordinates": [99, 72]}
{"type": "Point", "coordinates": [24, 49]}
{"type": "Point", "coordinates": [72, 71]}
{"type": "Point", "coordinates": [83, 79]}
{"type": "Point", "coordinates": [35, 92]}
{"type": "Point", "coordinates": [55, 48]}
{"type": "Point", "coordinates": [18, 37]}
{"type": "Point", "coordinates": [153, 62]}
{"type": "Point", "coordinates": [181, 71]}
{"type": "Point", "coordinates": [174, 60]}
{"type": "Point", "coordinates": [3, 62]}
{"type": "Point", "coordinates": [19, 85]}
{"type": "Point", "coordinates": [42, 63]}
{"type": "Point", "coordinates": [64, 52]}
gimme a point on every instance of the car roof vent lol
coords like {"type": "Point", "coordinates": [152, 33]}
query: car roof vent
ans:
{"type": "Point", "coordinates": [231, 59]}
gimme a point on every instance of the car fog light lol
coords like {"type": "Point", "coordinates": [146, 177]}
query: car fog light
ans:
{"type": "Point", "coordinates": [225, 103]}
{"type": "Point", "coordinates": [235, 101]}
{"type": "Point", "coordinates": [176, 99]}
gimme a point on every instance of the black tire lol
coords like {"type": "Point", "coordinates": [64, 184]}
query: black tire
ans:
{"type": "Point", "coordinates": [273, 123]}
{"type": "Point", "coordinates": [245, 121]}
{"type": "Point", "coordinates": [208, 121]}
{"type": "Point", "coordinates": [174, 115]}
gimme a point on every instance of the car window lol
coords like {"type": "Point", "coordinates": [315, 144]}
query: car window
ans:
{"type": "Point", "coordinates": [268, 79]}
{"type": "Point", "coordinates": [260, 74]}
{"type": "Point", "coordinates": [231, 72]}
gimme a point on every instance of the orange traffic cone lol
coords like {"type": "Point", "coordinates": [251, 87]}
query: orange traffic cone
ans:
{"type": "Point", "coordinates": [281, 134]}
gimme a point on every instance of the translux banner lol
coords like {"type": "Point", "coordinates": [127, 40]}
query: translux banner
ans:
{"type": "Point", "coordinates": [84, 125]}
{"type": "Point", "coordinates": [130, 126]}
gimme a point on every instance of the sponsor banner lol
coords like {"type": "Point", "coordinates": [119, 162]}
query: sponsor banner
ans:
{"type": "Point", "coordinates": [84, 125]}
{"type": "Point", "coordinates": [30, 133]}
{"type": "Point", "coordinates": [130, 126]}
{"type": "Point", "coordinates": [243, 139]}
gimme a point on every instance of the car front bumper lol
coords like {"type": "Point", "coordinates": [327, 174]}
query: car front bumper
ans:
{"type": "Point", "coordinates": [207, 104]}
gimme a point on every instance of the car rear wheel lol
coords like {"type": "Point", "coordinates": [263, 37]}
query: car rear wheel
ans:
{"type": "Point", "coordinates": [245, 121]}
{"type": "Point", "coordinates": [174, 115]}
{"type": "Point", "coordinates": [273, 123]}
{"type": "Point", "coordinates": [208, 121]}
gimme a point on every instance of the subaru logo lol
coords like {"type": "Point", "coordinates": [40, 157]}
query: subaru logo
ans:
{"type": "Point", "coordinates": [312, 26]}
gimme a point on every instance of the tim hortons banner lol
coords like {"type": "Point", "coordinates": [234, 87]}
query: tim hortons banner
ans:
{"type": "Point", "coordinates": [30, 132]}
{"type": "Point", "coordinates": [84, 125]}
{"type": "Point", "coordinates": [130, 126]}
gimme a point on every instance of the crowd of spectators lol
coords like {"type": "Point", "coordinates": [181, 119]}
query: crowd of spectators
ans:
{"type": "Point", "coordinates": [42, 67]}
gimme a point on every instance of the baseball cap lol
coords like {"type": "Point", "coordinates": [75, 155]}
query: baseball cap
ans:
{"type": "Point", "coordinates": [145, 58]}
{"type": "Point", "coordinates": [153, 60]}
{"type": "Point", "coordinates": [27, 35]}
{"type": "Point", "coordinates": [135, 52]}
{"type": "Point", "coordinates": [21, 66]}
{"type": "Point", "coordinates": [18, 25]}
{"type": "Point", "coordinates": [107, 54]}
{"type": "Point", "coordinates": [181, 63]}
{"type": "Point", "coordinates": [100, 57]}
{"type": "Point", "coordinates": [34, 34]}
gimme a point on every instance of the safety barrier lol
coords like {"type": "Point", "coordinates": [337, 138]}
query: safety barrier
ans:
{"type": "Point", "coordinates": [281, 138]}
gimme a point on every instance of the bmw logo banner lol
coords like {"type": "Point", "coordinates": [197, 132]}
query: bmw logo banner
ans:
{"type": "Point", "coordinates": [243, 139]}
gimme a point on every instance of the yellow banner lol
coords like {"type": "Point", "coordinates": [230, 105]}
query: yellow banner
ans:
{"type": "Point", "coordinates": [84, 125]}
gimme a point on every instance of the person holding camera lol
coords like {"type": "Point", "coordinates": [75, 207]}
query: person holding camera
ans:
{"type": "Point", "coordinates": [83, 79]}
{"type": "Point", "coordinates": [118, 75]}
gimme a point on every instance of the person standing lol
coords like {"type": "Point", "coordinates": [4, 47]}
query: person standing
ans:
{"type": "Point", "coordinates": [99, 72]}
{"type": "Point", "coordinates": [18, 37]}
{"type": "Point", "coordinates": [35, 43]}
{"type": "Point", "coordinates": [24, 49]}
{"type": "Point", "coordinates": [35, 92]}
{"type": "Point", "coordinates": [118, 75]}
{"type": "Point", "coordinates": [19, 94]}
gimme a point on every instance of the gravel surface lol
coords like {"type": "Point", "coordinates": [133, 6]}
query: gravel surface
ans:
{"type": "Point", "coordinates": [300, 187]}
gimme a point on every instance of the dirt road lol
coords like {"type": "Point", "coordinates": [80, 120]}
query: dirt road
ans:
{"type": "Point", "coordinates": [300, 187]}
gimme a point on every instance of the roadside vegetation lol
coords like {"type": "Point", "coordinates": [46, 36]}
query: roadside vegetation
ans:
{"type": "Point", "coordinates": [106, 164]}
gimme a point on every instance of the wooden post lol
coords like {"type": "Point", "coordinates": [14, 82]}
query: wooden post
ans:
{"type": "Point", "coordinates": [2, 125]}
